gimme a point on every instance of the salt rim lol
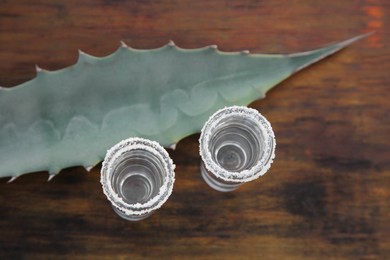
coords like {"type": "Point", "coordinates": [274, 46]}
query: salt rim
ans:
{"type": "Point", "coordinates": [165, 190]}
{"type": "Point", "coordinates": [259, 168]}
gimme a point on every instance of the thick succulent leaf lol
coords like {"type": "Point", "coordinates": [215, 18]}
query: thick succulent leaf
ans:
{"type": "Point", "coordinates": [72, 116]}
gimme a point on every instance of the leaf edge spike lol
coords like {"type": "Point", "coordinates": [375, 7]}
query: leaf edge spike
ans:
{"type": "Point", "coordinates": [83, 57]}
{"type": "Point", "coordinates": [213, 47]}
{"type": "Point", "coordinates": [51, 176]}
{"type": "Point", "coordinates": [173, 146]}
{"type": "Point", "coordinates": [5, 88]}
{"type": "Point", "coordinates": [87, 55]}
{"type": "Point", "coordinates": [82, 53]}
{"type": "Point", "coordinates": [38, 69]}
{"type": "Point", "coordinates": [88, 168]}
{"type": "Point", "coordinates": [171, 43]}
{"type": "Point", "coordinates": [123, 44]}
{"type": "Point", "coordinates": [13, 178]}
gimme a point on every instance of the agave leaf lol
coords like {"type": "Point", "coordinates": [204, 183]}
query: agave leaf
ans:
{"type": "Point", "coordinates": [72, 116]}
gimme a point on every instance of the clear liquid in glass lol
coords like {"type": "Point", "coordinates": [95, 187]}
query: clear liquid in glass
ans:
{"type": "Point", "coordinates": [236, 142]}
{"type": "Point", "coordinates": [135, 177]}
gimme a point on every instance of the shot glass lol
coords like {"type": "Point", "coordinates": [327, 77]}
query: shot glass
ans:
{"type": "Point", "coordinates": [237, 145]}
{"type": "Point", "coordinates": [137, 177]}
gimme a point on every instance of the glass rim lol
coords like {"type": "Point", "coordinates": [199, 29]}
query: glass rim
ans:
{"type": "Point", "coordinates": [165, 190]}
{"type": "Point", "coordinates": [261, 167]}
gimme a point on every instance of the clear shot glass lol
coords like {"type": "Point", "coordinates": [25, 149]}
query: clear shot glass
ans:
{"type": "Point", "coordinates": [237, 145]}
{"type": "Point", "coordinates": [137, 177]}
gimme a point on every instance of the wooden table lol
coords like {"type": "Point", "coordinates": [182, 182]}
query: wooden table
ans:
{"type": "Point", "coordinates": [326, 196]}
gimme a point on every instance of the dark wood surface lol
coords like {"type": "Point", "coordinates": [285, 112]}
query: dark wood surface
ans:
{"type": "Point", "coordinates": [326, 196]}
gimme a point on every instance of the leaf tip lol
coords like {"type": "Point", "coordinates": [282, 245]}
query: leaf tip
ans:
{"type": "Point", "coordinates": [355, 39]}
{"type": "Point", "coordinates": [324, 52]}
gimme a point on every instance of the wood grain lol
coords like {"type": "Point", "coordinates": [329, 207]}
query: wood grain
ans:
{"type": "Point", "coordinates": [327, 195]}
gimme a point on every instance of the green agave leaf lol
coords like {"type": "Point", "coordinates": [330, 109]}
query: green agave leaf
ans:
{"type": "Point", "coordinates": [72, 116]}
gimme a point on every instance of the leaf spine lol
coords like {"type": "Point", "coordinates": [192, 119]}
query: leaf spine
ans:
{"type": "Point", "coordinates": [123, 44]}
{"type": "Point", "coordinates": [81, 53]}
{"type": "Point", "coordinates": [88, 168]}
{"type": "Point", "coordinates": [173, 146]}
{"type": "Point", "coordinates": [171, 43]}
{"type": "Point", "coordinates": [38, 69]}
{"type": "Point", "coordinates": [12, 179]}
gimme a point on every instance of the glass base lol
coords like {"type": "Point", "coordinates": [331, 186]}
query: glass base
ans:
{"type": "Point", "coordinates": [131, 217]}
{"type": "Point", "coordinates": [217, 184]}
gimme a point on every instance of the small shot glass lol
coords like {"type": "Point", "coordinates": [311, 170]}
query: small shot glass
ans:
{"type": "Point", "coordinates": [137, 177]}
{"type": "Point", "coordinates": [237, 145]}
